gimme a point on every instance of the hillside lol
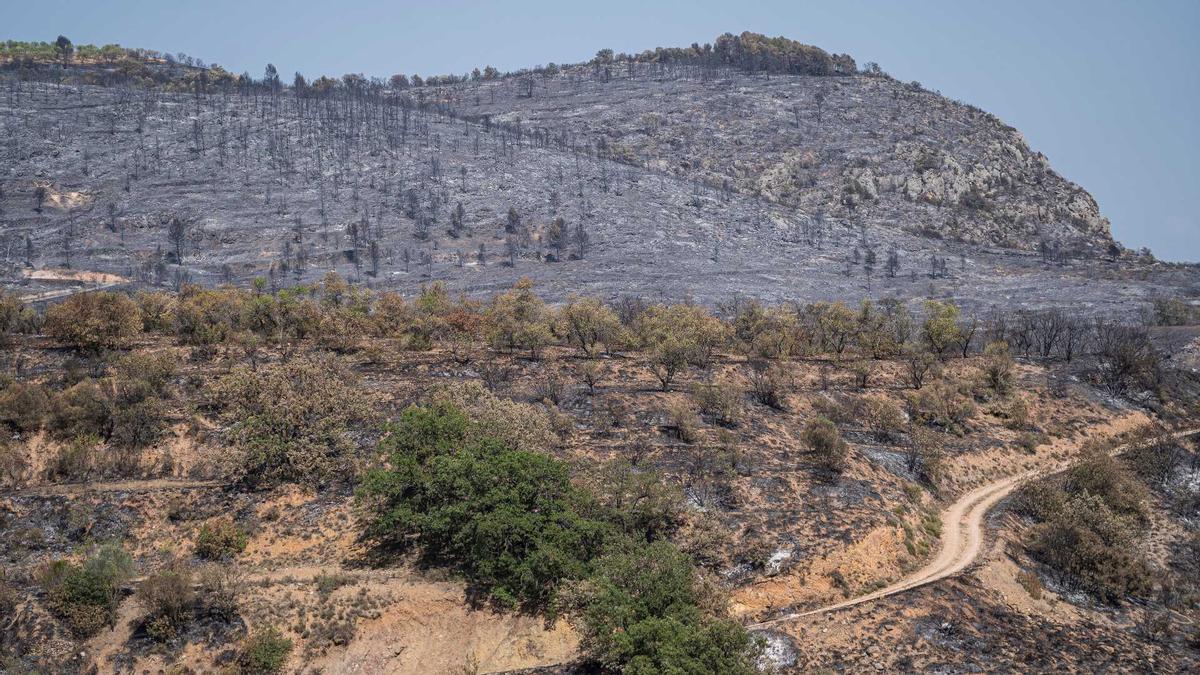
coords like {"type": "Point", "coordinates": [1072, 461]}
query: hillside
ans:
{"type": "Point", "coordinates": [355, 482]}
{"type": "Point", "coordinates": [646, 177]}
{"type": "Point", "coordinates": [733, 358]}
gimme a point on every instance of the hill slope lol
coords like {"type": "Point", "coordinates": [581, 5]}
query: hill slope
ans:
{"type": "Point", "coordinates": [634, 177]}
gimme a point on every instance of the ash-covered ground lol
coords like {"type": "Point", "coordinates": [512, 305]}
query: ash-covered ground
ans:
{"type": "Point", "coordinates": [163, 188]}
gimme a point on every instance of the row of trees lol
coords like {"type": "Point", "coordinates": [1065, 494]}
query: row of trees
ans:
{"type": "Point", "coordinates": [752, 52]}
{"type": "Point", "coordinates": [672, 337]}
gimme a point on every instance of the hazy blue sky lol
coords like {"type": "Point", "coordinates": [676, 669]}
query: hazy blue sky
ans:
{"type": "Point", "coordinates": [1107, 90]}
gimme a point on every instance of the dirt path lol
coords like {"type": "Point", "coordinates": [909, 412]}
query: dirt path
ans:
{"type": "Point", "coordinates": [92, 281]}
{"type": "Point", "coordinates": [962, 538]}
{"type": "Point", "coordinates": [148, 485]}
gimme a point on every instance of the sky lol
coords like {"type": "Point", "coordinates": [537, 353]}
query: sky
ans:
{"type": "Point", "coordinates": [1108, 90]}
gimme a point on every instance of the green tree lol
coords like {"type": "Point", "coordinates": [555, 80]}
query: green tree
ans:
{"type": "Point", "coordinates": [647, 613]}
{"type": "Point", "coordinates": [509, 520]}
{"type": "Point", "coordinates": [586, 322]}
{"type": "Point", "coordinates": [940, 329]}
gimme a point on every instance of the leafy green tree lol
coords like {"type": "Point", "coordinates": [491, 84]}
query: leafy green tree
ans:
{"type": "Point", "coordinates": [645, 612]}
{"type": "Point", "coordinates": [941, 329]}
{"type": "Point", "coordinates": [510, 520]}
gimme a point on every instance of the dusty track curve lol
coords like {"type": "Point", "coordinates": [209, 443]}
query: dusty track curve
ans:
{"type": "Point", "coordinates": [963, 524]}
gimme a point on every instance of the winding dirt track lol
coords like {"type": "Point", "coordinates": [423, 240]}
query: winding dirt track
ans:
{"type": "Point", "coordinates": [962, 538]}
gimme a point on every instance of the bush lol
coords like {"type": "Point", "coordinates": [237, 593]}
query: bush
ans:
{"type": "Point", "coordinates": [14, 316]}
{"type": "Point", "coordinates": [13, 464]}
{"type": "Point", "coordinates": [682, 422]}
{"type": "Point", "coordinates": [217, 592]}
{"type": "Point", "coordinates": [998, 368]}
{"type": "Point", "coordinates": [1087, 524]}
{"type": "Point", "coordinates": [137, 425]}
{"type": "Point", "coordinates": [207, 317]}
{"type": "Point", "coordinates": [880, 415]}
{"type": "Point", "coordinates": [549, 386]}
{"type": "Point", "coordinates": [1102, 475]}
{"type": "Point", "coordinates": [157, 310]}
{"type": "Point", "coordinates": [290, 421]}
{"type": "Point", "coordinates": [520, 426]}
{"type": "Point", "coordinates": [1091, 545]}
{"type": "Point", "coordinates": [85, 596]}
{"type": "Point", "coordinates": [169, 601]}
{"type": "Point", "coordinates": [862, 370]}
{"type": "Point", "coordinates": [925, 454]}
{"type": "Point", "coordinates": [23, 406]}
{"type": "Point", "coordinates": [769, 384]}
{"type": "Point", "coordinates": [94, 321]}
{"type": "Point", "coordinates": [265, 652]}
{"type": "Point", "coordinates": [76, 459]}
{"type": "Point", "coordinates": [826, 444]}
{"type": "Point", "coordinates": [720, 401]}
{"type": "Point", "coordinates": [646, 612]}
{"type": "Point", "coordinates": [641, 505]}
{"type": "Point", "coordinates": [82, 410]}
{"type": "Point", "coordinates": [220, 539]}
{"type": "Point", "coordinates": [943, 404]}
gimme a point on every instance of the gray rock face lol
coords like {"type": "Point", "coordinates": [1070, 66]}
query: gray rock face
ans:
{"type": "Point", "coordinates": [855, 147]}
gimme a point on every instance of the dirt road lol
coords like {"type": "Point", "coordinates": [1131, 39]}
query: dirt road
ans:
{"type": "Point", "coordinates": [962, 538]}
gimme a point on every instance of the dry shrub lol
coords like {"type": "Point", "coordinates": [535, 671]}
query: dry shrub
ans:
{"type": "Point", "coordinates": [720, 401]}
{"type": "Point", "coordinates": [611, 415]}
{"type": "Point", "coordinates": [520, 426]}
{"type": "Point", "coordinates": [497, 375]}
{"type": "Point", "coordinates": [769, 384]}
{"type": "Point", "coordinates": [291, 421]}
{"type": "Point", "coordinates": [169, 600]}
{"type": "Point", "coordinates": [549, 386]}
{"type": "Point", "coordinates": [220, 539]}
{"type": "Point", "coordinates": [23, 406]}
{"type": "Point", "coordinates": [826, 444]}
{"type": "Point", "coordinates": [682, 422]}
